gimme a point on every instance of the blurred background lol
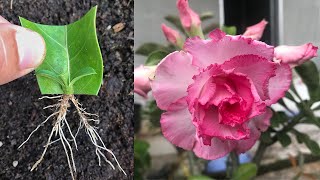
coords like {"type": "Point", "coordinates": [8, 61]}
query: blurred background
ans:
{"type": "Point", "coordinates": [291, 22]}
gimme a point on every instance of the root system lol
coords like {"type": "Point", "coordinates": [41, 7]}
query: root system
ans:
{"type": "Point", "coordinates": [60, 123]}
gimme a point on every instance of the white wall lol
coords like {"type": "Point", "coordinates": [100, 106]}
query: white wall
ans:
{"type": "Point", "coordinates": [301, 23]}
{"type": "Point", "coordinates": [149, 14]}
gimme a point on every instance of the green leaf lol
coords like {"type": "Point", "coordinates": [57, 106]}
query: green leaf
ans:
{"type": "Point", "coordinates": [245, 171]}
{"type": "Point", "coordinates": [147, 48]}
{"type": "Point", "coordinates": [311, 144]}
{"type": "Point", "coordinates": [310, 76]}
{"type": "Point", "coordinates": [266, 137]}
{"type": "Point", "coordinates": [50, 75]}
{"type": "Point", "coordinates": [278, 118]}
{"type": "Point", "coordinates": [155, 57]}
{"type": "Point", "coordinates": [142, 159]}
{"type": "Point", "coordinates": [206, 15]}
{"type": "Point", "coordinates": [70, 48]}
{"type": "Point", "coordinates": [87, 71]}
{"type": "Point", "coordinates": [231, 30]}
{"type": "Point", "coordinates": [200, 177]}
{"type": "Point", "coordinates": [284, 139]}
{"type": "Point", "coordinates": [153, 113]}
{"type": "Point", "coordinates": [175, 20]}
{"type": "Point", "coordinates": [210, 28]}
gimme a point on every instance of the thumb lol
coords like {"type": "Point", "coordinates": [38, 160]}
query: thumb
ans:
{"type": "Point", "coordinates": [21, 51]}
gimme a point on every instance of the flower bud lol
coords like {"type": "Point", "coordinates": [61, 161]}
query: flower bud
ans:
{"type": "Point", "coordinates": [172, 35]}
{"type": "Point", "coordinates": [190, 20]}
{"type": "Point", "coordinates": [256, 31]}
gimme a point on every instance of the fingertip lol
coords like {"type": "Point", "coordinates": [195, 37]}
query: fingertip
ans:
{"type": "Point", "coordinates": [31, 48]}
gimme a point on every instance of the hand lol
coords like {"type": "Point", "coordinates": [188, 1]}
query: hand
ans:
{"type": "Point", "coordinates": [21, 51]}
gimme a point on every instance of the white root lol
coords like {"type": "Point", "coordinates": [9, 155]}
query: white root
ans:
{"type": "Point", "coordinates": [93, 134]}
{"type": "Point", "coordinates": [57, 130]}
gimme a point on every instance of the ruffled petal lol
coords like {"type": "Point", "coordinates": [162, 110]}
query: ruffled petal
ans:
{"type": "Point", "coordinates": [217, 149]}
{"type": "Point", "coordinates": [177, 127]}
{"type": "Point", "coordinates": [203, 89]}
{"type": "Point", "coordinates": [223, 48]}
{"type": "Point", "coordinates": [258, 69]}
{"type": "Point", "coordinates": [210, 126]}
{"type": "Point", "coordinates": [257, 125]}
{"type": "Point", "coordinates": [279, 84]}
{"type": "Point", "coordinates": [172, 78]}
{"type": "Point", "coordinates": [295, 55]}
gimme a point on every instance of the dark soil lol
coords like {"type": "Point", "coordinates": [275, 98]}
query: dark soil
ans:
{"type": "Point", "coordinates": [21, 110]}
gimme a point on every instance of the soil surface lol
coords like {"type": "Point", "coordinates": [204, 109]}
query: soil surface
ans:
{"type": "Point", "coordinates": [21, 110]}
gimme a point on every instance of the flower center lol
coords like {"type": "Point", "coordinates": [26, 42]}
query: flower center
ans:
{"type": "Point", "coordinates": [232, 111]}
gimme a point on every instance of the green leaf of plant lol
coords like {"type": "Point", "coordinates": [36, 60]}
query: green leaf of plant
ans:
{"type": "Point", "coordinates": [70, 48]}
{"type": "Point", "coordinates": [245, 171]}
{"type": "Point", "coordinates": [311, 144]}
{"type": "Point", "coordinates": [200, 177]}
{"type": "Point", "coordinates": [206, 15]}
{"type": "Point", "coordinates": [142, 159]}
{"type": "Point", "coordinates": [147, 48]}
{"type": "Point", "coordinates": [266, 137]}
{"type": "Point", "coordinates": [284, 139]}
{"type": "Point", "coordinates": [153, 113]}
{"type": "Point", "coordinates": [310, 76]}
{"type": "Point", "coordinates": [278, 118]}
{"type": "Point", "coordinates": [231, 30]}
{"type": "Point", "coordinates": [50, 75]}
{"type": "Point", "coordinates": [175, 20]}
{"type": "Point", "coordinates": [87, 71]}
{"type": "Point", "coordinates": [155, 57]}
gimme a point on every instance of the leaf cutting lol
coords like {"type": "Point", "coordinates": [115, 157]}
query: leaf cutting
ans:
{"type": "Point", "coordinates": [73, 65]}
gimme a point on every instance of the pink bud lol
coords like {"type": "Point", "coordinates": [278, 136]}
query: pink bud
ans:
{"type": "Point", "coordinates": [142, 75]}
{"type": "Point", "coordinates": [295, 55]}
{"type": "Point", "coordinates": [172, 35]}
{"type": "Point", "coordinates": [255, 32]}
{"type": "Point", "coordinates": [187, 16]}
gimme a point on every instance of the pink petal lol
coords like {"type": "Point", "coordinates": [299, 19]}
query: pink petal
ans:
{"type": "Point", "coordinates": [202, 89]}
{"type": "Point", "coordinates": [217, 149]}
{"type": "Point", "coordinates": [177, 127]}
{"type": "Point", "coordinates": [206, 52]}
{"type": "Point", "coordinates": [187, 16]}
{"type": "Point", "coordinates": [256, 31]}
{"type": "Point", "coordinates": [217, 35]}
{"type": "Point", "coordinates": [171, 34]}
{"type": "Point", "coordinates": [210, 126]}
{"type": "Point", "coordinates": [258, 69]}
{"type": "Point", "coordinates": [295, 55]}
{"type": "Point", "coordinates": [279, 84]}
{"type": "Point", "coordinates": [257, 124]}
{"type": "Point", "coordinates": [172, 78]}
{"type": "Point", "coordinates": [141, 80]}
{"type": "Point", "coordinates": [262, 122]}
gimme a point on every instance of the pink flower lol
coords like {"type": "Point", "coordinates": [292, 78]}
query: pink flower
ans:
{"type": "Point", "coordinates": [295, 55]}
{"type": "Point", "coordinates": [256, 31]}
{"type": "Point", "coordinates": [216, 92]}
{"type": "Point", "coordinates": [142, 75]}
{"type": "Point", "coordinates": [187, 16]}
{"type": "Point", "coordinates": [172, 35]}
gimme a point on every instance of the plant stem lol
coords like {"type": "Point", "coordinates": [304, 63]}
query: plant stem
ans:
{"type": "Point", "coordinates": [232, 164]}
{"type": "Point", "coordinates": [259, 153]}
{"type": "Point", "coordinates": [191, 162]}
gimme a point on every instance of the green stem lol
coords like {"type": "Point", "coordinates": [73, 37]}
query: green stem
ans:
{"type": "Point", "coordinates": [232, 164]}
{"type": "Point", "coordinates": [259, 153]}
{"type": "Point", "coordinates": [191, 162]}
